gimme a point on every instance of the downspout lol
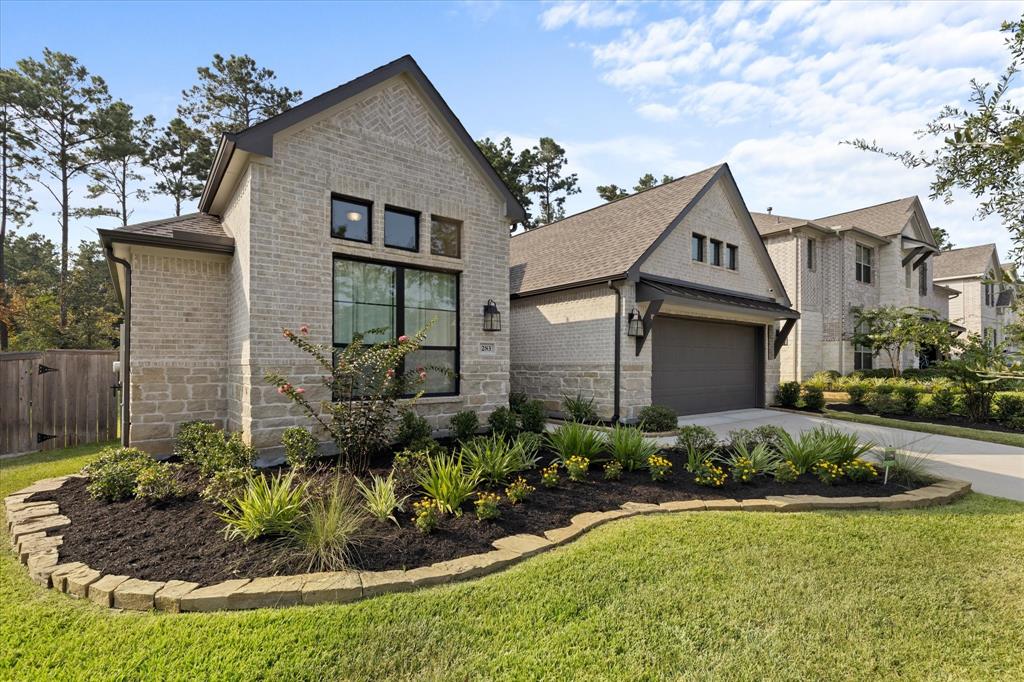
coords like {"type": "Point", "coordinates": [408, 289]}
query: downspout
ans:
{"type": "Point", "coordinates": [618, 349]}
{"type": "Point", "coordinates": [126, 364]}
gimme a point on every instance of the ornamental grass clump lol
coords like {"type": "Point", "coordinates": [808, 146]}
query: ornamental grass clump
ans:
{"type": "Point", "coordinates": [827, 472]}
{"type": "Point", "coordinates": [628, 446]}
{"type": "Point", "coordinates": [266, 506]}
{"type": "Point", "coordinates": [381, 498]}
{"type": "Point", "coordinates": [860, 471]}
{"type": "Point", "coordinates": [576, 439]}
{"type": "Point", "coordinates": [576, 467]}
{"type": "Point", "coordinates": [549, 476]}
{"type": "Point", "coordinates": [579, 409]}
{"type": "Point", "coordinates": [519, 491]}
{"type": "Point", "coordinates": [493, 459]}
{"type": "Point", "coordinates": [659, 467]}
{"type": "Point", "coordinates": [428, 514]}
{"type": "Point", "coordinates": [447, 481]}
{"type": "Point", "coordinates": [756, 461]}
{"type": "Point", "coordinates": [330, 527]}
{"type": "Point", "coordinates": [612, 471]}
{"type": "Point", "coordinates": [486, 506]}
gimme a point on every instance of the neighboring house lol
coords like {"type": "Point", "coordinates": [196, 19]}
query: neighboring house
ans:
{"type": "Point", "coordinates": [987, 291]}
{"type": "Point", "coordinates": [831, 266]}
{"type": "Point", "coordinates": [367, 206]}
{"type": "Point", "coordinates": [684, 262]}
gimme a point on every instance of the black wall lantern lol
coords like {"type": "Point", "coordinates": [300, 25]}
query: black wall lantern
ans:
{"type": "Point", "coordinates": [635, 326]}
{"type": "Point", "coordinates": [492, 318]}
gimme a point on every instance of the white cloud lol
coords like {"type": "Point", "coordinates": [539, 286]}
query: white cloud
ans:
{"type": "Point", "coordinates": [586, 14]}
{"type": "Point", "coordinates": [657, 112]}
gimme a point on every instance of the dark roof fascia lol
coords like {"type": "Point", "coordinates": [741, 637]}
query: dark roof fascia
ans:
{"type": "Point", "coordinates": [920, 243]}
{"type": "Point", "coordinates": [225, 152]}
{"type": "Point", "coordinates": [734, 301]}
{"type": "Point", "coordinates": [259, 139]}
{"type": "Point", "coordinates": [571, 285]}
{"type": "Point", "coordinates": [187, 241]}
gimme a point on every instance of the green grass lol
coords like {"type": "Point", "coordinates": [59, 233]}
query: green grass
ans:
{"type": "Point", "coordinates": [932, 593]}
{"type": "Point", "coordinates": [1001, 437]}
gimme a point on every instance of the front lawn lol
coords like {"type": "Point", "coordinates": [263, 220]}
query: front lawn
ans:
{"type": "Point", "coordinates": [826, 595]}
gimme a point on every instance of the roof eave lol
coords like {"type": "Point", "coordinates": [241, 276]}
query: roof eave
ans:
{"type": "Point", "coordinates": [570, 285]}
{"type": "Point", "coordinates": [186, 241]}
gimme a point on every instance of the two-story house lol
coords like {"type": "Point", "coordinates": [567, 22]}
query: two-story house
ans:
{"type": "Point", "coordinates": [987, 289]}
{"type": "Point", "coordinates": [831, 266]}
{"type": "Point", "coordinates": [366, 207]}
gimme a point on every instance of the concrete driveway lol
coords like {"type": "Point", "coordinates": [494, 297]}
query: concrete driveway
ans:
{"type": "Point", "coordinates": [991, 468]}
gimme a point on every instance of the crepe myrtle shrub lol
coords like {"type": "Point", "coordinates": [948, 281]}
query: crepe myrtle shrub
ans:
{"type": "Point", "coordinates": [365, 383]}
{"type": "Point", "coordinates": [463, 425]}
{"type": "Point", "coordinates": [889, 330]}
{"type": "Point", "coordinates": [300, 446]}
{"type": "Point", "coordinates": [657, 418]}
{"type": "Point", "coordinates": [788, 394]}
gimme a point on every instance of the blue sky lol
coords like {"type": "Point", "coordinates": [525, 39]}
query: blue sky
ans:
{"type": "Point", "coordinates": [626, 87]}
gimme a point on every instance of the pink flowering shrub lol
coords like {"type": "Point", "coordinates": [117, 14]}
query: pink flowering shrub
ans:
{"type": "Point", "coordinates": [365, 383]}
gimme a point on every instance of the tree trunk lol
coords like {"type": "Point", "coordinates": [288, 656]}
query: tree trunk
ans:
{"type": "Point", "coordinates": [63, 248]}
{"type": "Point", "coordinates": [3, 236]}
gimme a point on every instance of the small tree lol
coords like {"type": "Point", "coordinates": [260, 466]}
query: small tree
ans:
{"type": "Point", "coordinates": [890, 330]}
{"type": "Point", "coordinates": [977, 371]}
{"type": "Point", "coordinates": [365, 386]}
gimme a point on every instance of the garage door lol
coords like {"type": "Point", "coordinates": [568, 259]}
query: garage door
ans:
{"type": "Point", "coordinates": [705, 366]}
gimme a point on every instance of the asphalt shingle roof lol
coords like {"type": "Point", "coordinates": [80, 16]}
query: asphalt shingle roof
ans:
{"type": "Point", "coordinates": [768, 223]}
{"type": "Point", "coordinates": [971, 260]}
{"type": "Point", "coordinates": [602, 242]}
{"type": "Point", "coordinates": [197, 223]}
{"type": "Point", "coordinates": [883, 219]}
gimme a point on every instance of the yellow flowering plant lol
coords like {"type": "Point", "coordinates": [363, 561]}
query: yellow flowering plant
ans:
{"type": "Point", "coordinates": [428, 513]}
{"type": "Point", "coordinates": [577, 468]}
{"type": "Point", "coordinates": [827, 472]}
{"type": "Point", "coordinates": [786, 472]}
{"type": "Point", "coordinates": [487, 506]}
{"type": "Point", "coordinates": [519, 490]}
{"type": "Point", "coordinates": [549, 476]}
{"type": "Point", "coordinates": [659, 467]}
{"type": "Point", "coordinates": [742, 470]}
{"type": "Point", "coordinates": [859, 470]}
{"type": "Point", "coordinates": [613, 470]}
{"type": "Point", "coordinates": [710, 475]}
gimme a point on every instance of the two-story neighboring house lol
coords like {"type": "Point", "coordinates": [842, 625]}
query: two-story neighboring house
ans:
{"type": "Point", "coordinates": [366, 207]}
{"type": "Point", "coordinates": [987, 289]}
{"type": "Point", "coordinates": [831, 266]}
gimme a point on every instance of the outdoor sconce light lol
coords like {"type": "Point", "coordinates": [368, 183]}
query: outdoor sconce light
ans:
{"type": "Point", "coordinates": [636, 324]}
{"type": "Point", "coordinates": [492, 318]}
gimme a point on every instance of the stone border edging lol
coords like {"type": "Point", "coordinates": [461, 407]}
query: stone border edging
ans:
{"type": "Point", "coordinates": [30, 522]}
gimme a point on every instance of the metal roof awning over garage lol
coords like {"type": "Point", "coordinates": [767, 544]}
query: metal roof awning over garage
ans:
{"type": "Point", "coordinates": [652, 289]}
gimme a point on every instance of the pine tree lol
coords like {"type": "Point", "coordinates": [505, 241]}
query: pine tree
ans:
{"type": "Point", "coordinates": [512, 167]}
{"type": "Point", "coordinates": [179, 157]}
{"type": "Point", "coordinates": [546, 180]}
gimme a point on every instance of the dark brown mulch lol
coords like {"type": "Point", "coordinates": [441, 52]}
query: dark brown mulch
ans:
{"type": "Point", "coordinates": [950, 420]}
{"type": "Point", "coordinates": [184, 539]}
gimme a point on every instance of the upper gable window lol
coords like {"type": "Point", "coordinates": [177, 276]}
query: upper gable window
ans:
{"type": "Point", "coordinates": [865, 259]}
{"type": "Point", "coordinates": [697, 243]}
{"type": "Point", "coordinates": [922, 279]}
{"type": "Point", "coordinates": [401, 228]}
{"type": "Point", "coordinates": [716, 252]}
{"type": "Point", "coordinates": [350, 218]}
{"type": "Point", "coordinates": [732, 256]}
{"type": "Point", "coordinates": [445, 237]}
{"type": "Point", "coordinates": [811, 244]}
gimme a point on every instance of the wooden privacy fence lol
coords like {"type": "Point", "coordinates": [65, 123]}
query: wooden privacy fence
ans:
{"type": "Point", "coordinates": [56, 398]}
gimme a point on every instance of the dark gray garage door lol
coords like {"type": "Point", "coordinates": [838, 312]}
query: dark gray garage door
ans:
{"type": "Point", "coordinates": [705, 366]}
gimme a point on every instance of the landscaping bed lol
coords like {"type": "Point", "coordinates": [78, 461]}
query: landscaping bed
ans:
{"type": "Point", "coordinates": [948, 420]}
{"type": "Point", "coordinates": [183, 538]}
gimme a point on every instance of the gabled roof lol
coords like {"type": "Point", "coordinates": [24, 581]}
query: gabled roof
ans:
{"type": "Point", "coordinates": [970, 261]}
{"type": "Point", "coordinates": [196, 231]}
{"type": "Point", "coordinates": [883, 220]}
{"type": "Point", "coordinates": [259, 139]}
{"type": "Point", "coordinates": [603, 242]}
{"type": "Point", "coordinates": [770, 223]}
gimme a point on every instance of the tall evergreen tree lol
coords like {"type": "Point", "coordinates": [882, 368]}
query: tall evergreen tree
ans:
{"type": "Point", "coordinates": [512, 167]}
{"type": "Point", "coordinates": [546, 180]}
{"type": "Point", "coordinates": [231, 95]}
{"type": "Point", "coordinates": [646, 181]}
{"type": "Point", "coordinates": [611, 192]}
{"type": "Point", "coordinates": [942, 239]}
{"type": "Point", "coordinates": [118, 156]}
{"type": "Point", "coordinates": [180, 156]}
{"type": "Point", "coordinates": [94, 308]}
{"type": "Point", "coordinates": [16, 203]}
{"type": "Point", "coordinates": [60, 105]}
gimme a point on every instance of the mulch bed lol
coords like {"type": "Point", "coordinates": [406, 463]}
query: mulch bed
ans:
{"type": "Point", "coordinates": [183, 539]}
{"type": "Point", "coordinates": [951, 420]}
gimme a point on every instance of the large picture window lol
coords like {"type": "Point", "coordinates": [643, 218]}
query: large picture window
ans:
{"type": "Point", "coordinates": [401, 300]}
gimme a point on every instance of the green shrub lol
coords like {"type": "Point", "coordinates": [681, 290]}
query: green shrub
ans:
{"type": "Point", "coordinates": [266, 506]}
{"type": "Point", "coordinates": [612, 470]}
{"type": "Point", "coordinates": [576, 467]}
{"type": "Point", "coordinates": [331, 525]}
{"type": "Point", "coordinates": [659, 467]}
{"type": "Point", "coordinates": [519, 490]}
{"type": "Point", "coordinates": [766, 434]}
{"type": "Point", "coordinates": [191, 439]}
{"type": "Point", "coordinates": [503, 422]}
{"type": "Point", "coordinates": [814, 398]}
{"type": "Point", "coordinates": [824, 380]}
{"type": "Point", "coordinates": [532, 416]}
{"type": "Point", "coordinates": [226, 484]}
{"type": "Point", "coordinates": [463, 425]}
{"type": "Point", "coordinates": [906, 399]}
{"type": "Point", "coordinates": [409, 464]}
{"type": "Point", "coordinates": [114, 475]}
{"type": "Point", "coordinates": [579, 409]}
{"type": "Point", "coordinates": [657, 418]}
{"type": "Point", "coordinates": [628, 447]}
{"type": "Point", "coordinates": [857, 392]}
{"type": "Point", "coordinates": [412, 428]}
{"type": "Point", "coordinates": [447, 481]}
{"type": "Point", "coordinates": [573, 438]}
{"type": "Point", "coordinates": [492, 459]}
{"type": "Point", "coordinates": [486, 506]}
{"type": "Point", "coordinates": [788, 394]}
{"type": "Point", "coordinates": [300, 446]}
{"type": "Point", "coordinates": [1009, 406]}
{"type": "Point", "coordinates": [881, 402]}
{"type": "Point", "coordinates": [210, 449]}
{"type": "Point", "coordinates": [943, 402]}
{"type": "Point", "coordinates": [157, 483]}
{"type": "Point", "coordinates": [381, 497]}
{"type": "Point", "coordinates": [428, 514]}
{"type": "Point", "coordinates": [700, 437]}
{"type": "Point", "coordinates": [517, 400]}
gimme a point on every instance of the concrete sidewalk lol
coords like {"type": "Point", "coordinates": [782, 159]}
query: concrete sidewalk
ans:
{"type": "Point", "coordinates": [990, 467]}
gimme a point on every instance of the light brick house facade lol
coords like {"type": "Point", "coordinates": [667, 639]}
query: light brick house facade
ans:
{"type": "Point", "coordinates": [876, 256]}
{"type": "Point", "coordinates": [296, 214]}
{"type": "Point", "coordinates": [986, 290]}
{"type": "Point", "coordinates": [576, 282]}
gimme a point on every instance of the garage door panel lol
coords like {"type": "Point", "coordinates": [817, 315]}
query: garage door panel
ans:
{"type": "Point", "coordinates": [704, 366]}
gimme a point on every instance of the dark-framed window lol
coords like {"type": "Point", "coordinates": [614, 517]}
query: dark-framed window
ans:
{"type": "Point", "coordinates": [697, 243]}
{"type": "Point", "coordinates": [990, 292]}
{"type": "Point", "coordinates": [863, 358]}
{"type": "Point", "coordinates": [445, 237]}
{"type": "Point", "coordinates": [401, 228]}
{"type": "Point", "coordinates": [716, 252]}
{"type": "Point", "coordinates": [371, 294]}
{"type": "Point", "coordinates": [351, 218]}
{"type": "Point", "coordinates": [922, 279]}
{"type": "Point", "coordinates": [864, 263]}
{"type": "Point", "coordinates": [732, 256]}
{"type": "Point", "coordinates": [811, 255]}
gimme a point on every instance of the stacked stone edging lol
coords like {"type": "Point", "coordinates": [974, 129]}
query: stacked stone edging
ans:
{"type": "Point", "coordinates": [30, 522]}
